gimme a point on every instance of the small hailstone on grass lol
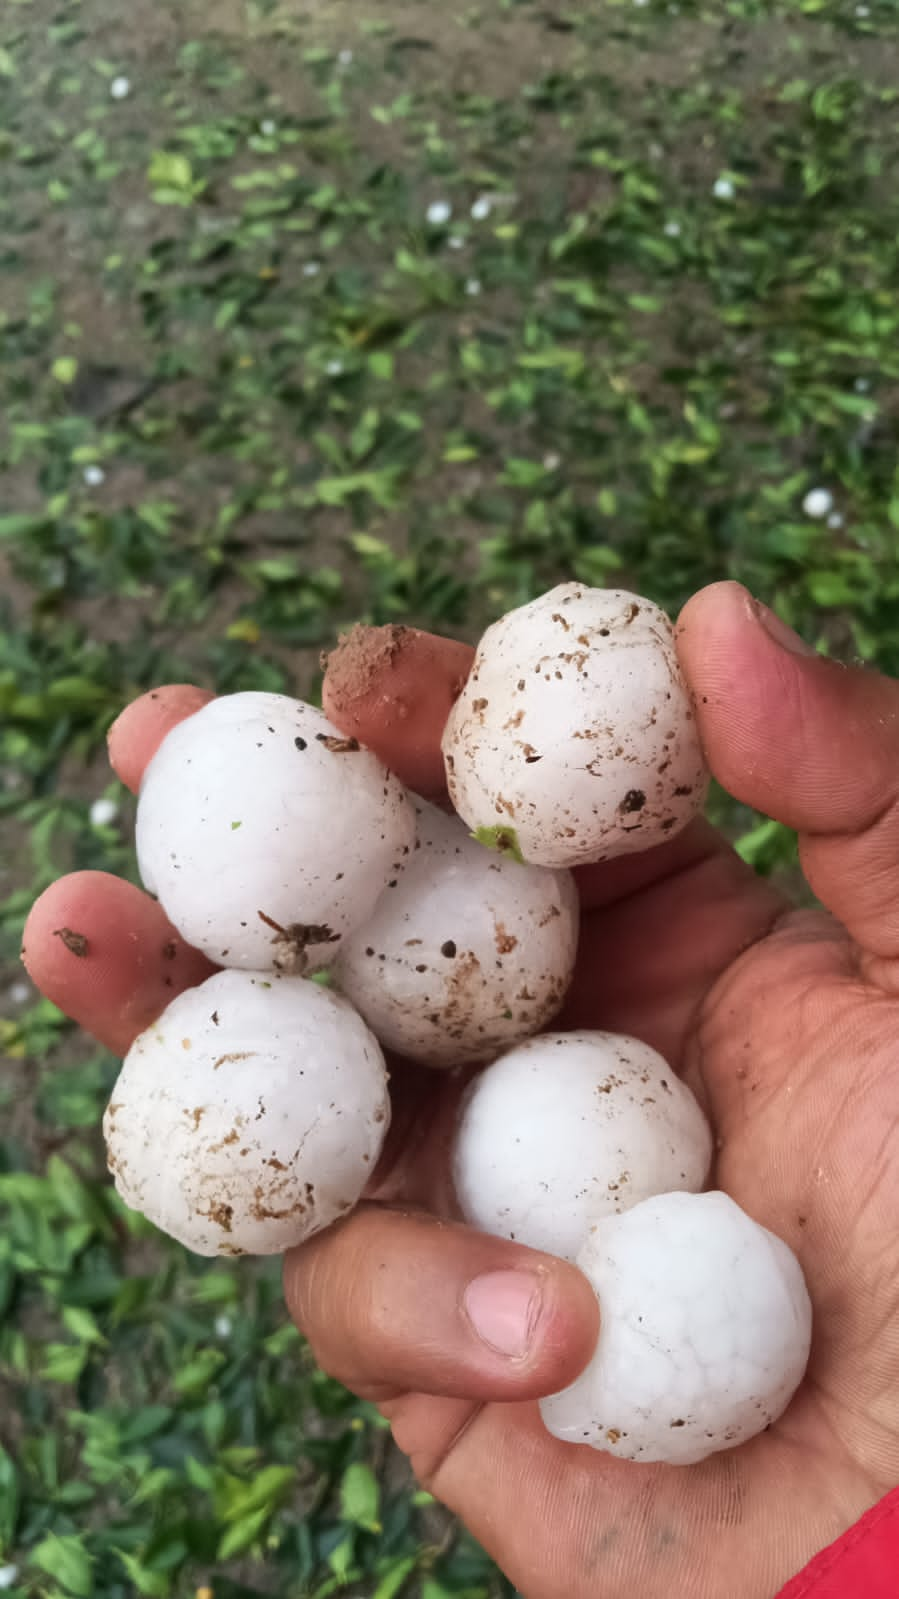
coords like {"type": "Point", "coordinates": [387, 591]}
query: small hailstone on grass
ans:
{"type": "Point", "coordinates": [344, 57]}
{"type": "Point", "coordinates": [862, 385]}
{"type": "Point", "coordinates": [551, 461]}
{"type": "Point", "coordinates": [224, 1326]}
{"type": "Point", "coordinates": [724, 189]}
{"type": "Point", "coordinates": [571, 1127]}
{"type": "Point", "coordinates": [268, 127]}
{"type": "Point", "coordinates": [574, 737]}
{"type": "Point", "coordinates": [456, 241]}
{"type": "Point", "coordinates": [473, 286]}
{"type": "Point", "coordinates": [672, 229]}
{"type": "Point", "coordinates": [311, 269]}
{"type": "Point", "coordinates": [120, 88]}
{"type": "Point", "coordinates": [334, 368]}
{"type": "Point", "coordinates": [103, 812]}
{"type": "Point", "coordinates": [704, 1337]}
{"type": "Point", "coordinates": [94, 476]}
{"type": "Point", "coordinates": [482, 208]}
{"type": "Point", "coordinates": [249, 1116]}
{"type": "Point", "coordinates": [266, 834]}
{"type": "Point", "coordinates": [19, 993]}
{"type": "Point", "coordinates": [439, 212]}
{"type": "Point", "coordinates": [8, 1575]}
{"type": "Point", "coordinates": [818, 503]}
{"type": "Point", "coordinates": [835, 520]}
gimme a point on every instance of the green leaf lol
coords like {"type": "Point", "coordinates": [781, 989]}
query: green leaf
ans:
{"type": "Point", "coordinates": [502, 839]}
{"type": "Point", "coordinates": [154, 1583]}
{"type": "Point", "coordinates": [360, 1497]}
{"type": "Point", "coordinates": [10, 1500]}
{"type": "Point", "coordinates": [65, 369]}
{"type": "Point", "coordinates": [394, 1578]}
{"type": "Point", "coordinates": [168, 170]}
{"type": "Point", "coordinates": [67, 1561]}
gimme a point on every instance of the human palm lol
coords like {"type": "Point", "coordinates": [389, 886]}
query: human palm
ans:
{"type": "Point", "coordinates": [784, 1022]}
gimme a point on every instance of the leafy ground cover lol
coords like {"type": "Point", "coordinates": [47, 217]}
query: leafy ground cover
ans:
{"type": "Point", "coordinates": [313, 313]}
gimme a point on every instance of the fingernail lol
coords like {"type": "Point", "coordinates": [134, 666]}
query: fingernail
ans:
{"type": "Point", "coordinates": [780, 632]}
{"type": "Point", "coordinates": [504, 1309]}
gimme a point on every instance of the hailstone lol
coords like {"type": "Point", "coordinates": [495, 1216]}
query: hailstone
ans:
{"type": "Point", "coordinates": [470, 952]}
{"type": "Point", "coordinates": [570, 1127]}
{"type": "Point", "coordinates": [266, 834]}
{"type": "Point", "coordinates": [704, 1334]}
{"type": "Point", "coordinates": [249, 1116]}
{"type": "Point", "coordinates": [573, 739]}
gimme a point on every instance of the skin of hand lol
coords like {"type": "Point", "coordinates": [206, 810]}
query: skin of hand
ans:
{"type": "Point", "coordinates": [786, 1024]}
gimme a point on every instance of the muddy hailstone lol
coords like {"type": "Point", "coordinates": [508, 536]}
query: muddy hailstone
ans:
{"type": "Point", "coordinates": [266, 834]}
{"type": "Point", "coordinates": [469, 953]}
{"type": "Point", "coordinates": [571, 1127]}
{"type": "Point", "coordinates": [573, 739]}
{"type": "Point", "coordinates": [249, 1116]}
{"type": "Point", "coordinates": [704, 1338]}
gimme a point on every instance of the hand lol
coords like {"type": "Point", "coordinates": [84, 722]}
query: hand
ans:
{"type": "Point", "coordinates": [785, 1023]}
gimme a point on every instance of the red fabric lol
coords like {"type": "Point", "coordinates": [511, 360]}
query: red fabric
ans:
{"type": "Point", "coordinates": [863, 1564]}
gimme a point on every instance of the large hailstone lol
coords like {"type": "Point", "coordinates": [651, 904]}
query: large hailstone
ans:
{"type": "Point", "coordinates": [266, 834]}
{"type": "Point", "coordinates": [704, 1333]}
{"type": "Point", "coordinates": [573, 739]}
{"type": "Point", "coordinates": [249, 1116]}
{"type": "Point", "coordinates": [570, 1127]}
{"type": "Point", "coordinates": [469, 952]}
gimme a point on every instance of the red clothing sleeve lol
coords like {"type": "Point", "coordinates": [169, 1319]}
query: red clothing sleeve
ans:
{"type": "Point", "coordinates": [863, 1564]}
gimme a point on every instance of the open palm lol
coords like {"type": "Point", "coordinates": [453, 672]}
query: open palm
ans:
{"type": "Point", "coordinates": [784, 1022]}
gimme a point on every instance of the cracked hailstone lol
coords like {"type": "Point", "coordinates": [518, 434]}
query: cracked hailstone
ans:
{"type": "Point", "coordinates": [266, 834]}
{"type": "Point", "coordinates": [470, 952]}
{"type": "Point", "coordinates": [570, 1127]}
{"type": "Point", "coordinates": [249, 1116]}
{"type": "Point", "coordinates": [573, 739]}
{"type": "Point", "coordinates": [704, 1336]}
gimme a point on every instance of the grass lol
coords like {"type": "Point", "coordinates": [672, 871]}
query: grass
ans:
{"type": "Point", "coordinates": [251, 393]}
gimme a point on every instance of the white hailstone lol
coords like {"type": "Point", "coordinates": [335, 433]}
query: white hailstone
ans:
{"type": "Point", "coordinates": [673, 229]}
{"type": "Point", "coordinates": [268, 128]}
{"type": "Point", "coordinates": [120, 88]}
{"type": "Point", "coordinates": [334, 368]}
{"type": "Point", "coordinates": [266, 834]}
{"type": "Point", "coordinates": [103, 812]}
{"type": "Point", "coordinates": [456, 242]}
{"type": "Point", "coordinates": [20, 993]}
{"type": "Point", "coordinates": [311, 269]}
{"type": "Point", "coordinates": [862, 385]}
{"type": "Point", "coordinates": [552, 461]}
{"type": "Point", "coordinates": [94, 476]}
{"type": "Point", "coordinates": [724, 189]}
{"type": "Point", "coordinates": [345, 57]}
{"type": "Point", "coordinates": [573, 739]}
{"type": "Point", "coordinates": [8, 1576]}
{"type": "Point", "coordinates": [473, 286]}
{"type": "Point", "coordinates": [249, 1116]}
{"type": "Point", "coordinates": [704, 1338]}
{"type": "Point", "coordinates": [818, 503]}
{"type": "Point", "coordinates": [571, 1127]}
{"type": "Point", "coordinates": [482, 208]}
{"type": "Point", "coordinates": [863, 11]}
{"type": "Point", "coordinates": [469, 953]}
{"type": "Point", "coordinates": [835, 520]}
{"type": "Point", "coordinates": [224, 1326]}
{"type": "Point", "coordinates": [438, 212]}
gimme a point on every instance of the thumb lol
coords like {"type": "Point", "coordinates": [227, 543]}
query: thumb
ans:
{"type": "Point", "coordinates": [807, 741]}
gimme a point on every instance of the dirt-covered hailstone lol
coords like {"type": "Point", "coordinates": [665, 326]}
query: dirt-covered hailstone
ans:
{"type": "Point", "coordinates": [266, 834]}
{"type": "Point", "coordinates": [570, 1127]}
{"type": "Point", "coordinates": [249, 1116]}
{"type": "Point", "coordinates": [467, 954]}
{"type": "Point", "coordinates": [704, 1337]}
{"type": "Point", "coordinates": [574, 739]}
